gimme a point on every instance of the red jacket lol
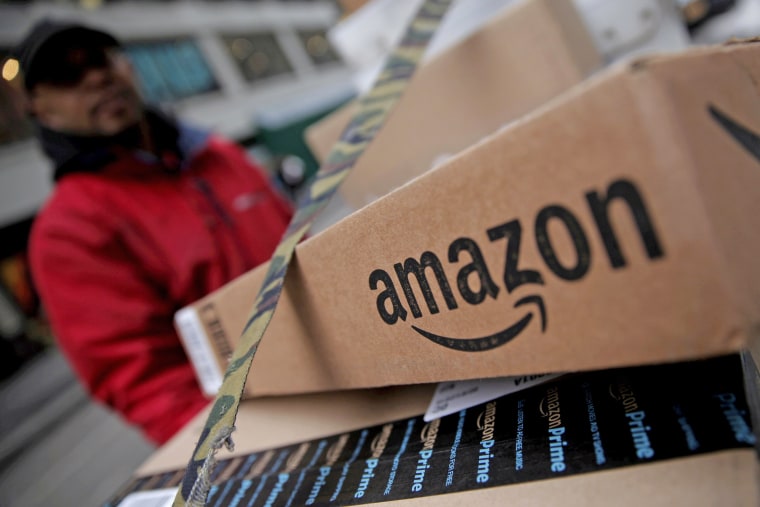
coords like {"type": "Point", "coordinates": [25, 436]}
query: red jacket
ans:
{"type": "Point", "coordinates": [117, 250]}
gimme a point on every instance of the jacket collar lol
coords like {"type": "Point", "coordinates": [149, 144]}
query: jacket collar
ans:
{"type": "Point", "coordinates": [75, 154]}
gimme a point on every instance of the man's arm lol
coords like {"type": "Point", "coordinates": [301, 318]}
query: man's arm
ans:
{"type": "Point", "coordinates": [114, 324]}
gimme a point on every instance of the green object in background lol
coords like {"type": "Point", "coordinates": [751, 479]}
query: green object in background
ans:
{"type": "Point", "coordinates": [284, 136]}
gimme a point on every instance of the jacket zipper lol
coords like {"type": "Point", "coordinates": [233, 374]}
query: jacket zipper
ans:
{"type": "Point", "coordinates": [226, 219]}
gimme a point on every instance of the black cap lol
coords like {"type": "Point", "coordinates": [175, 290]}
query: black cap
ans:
{"type": "Point", "coordinates": [46, 42]}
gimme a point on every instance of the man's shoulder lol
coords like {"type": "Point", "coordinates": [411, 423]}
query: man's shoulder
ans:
{"type": "Point", "coordinates": [221, 145]}
{"type": "Point", "coordinates": [73, 192]}
{"type": "Point", "coordinates": [73, 201]}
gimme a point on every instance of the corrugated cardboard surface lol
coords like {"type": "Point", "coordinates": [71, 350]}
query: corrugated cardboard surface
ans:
{"type": "Point", "coordinates": [265, 423]}
{"type": "Point", "coordinates": [723, 169]}
{"type": "Point", "coordinates": [662, 272]}
{"type": "Point", "coordinates": [532, 52]}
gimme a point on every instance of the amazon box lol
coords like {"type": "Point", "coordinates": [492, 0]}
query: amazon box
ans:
{"type": "Point", "coordinates": [617, 225]}
{"type": "Point", "coordinates": [675, 434]}
{"type": "Point", "coordinates": [527, 54]}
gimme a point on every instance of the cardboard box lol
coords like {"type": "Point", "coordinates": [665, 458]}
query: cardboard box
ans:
{"type": "Point", "coordinates": [616, 226]}
{"type": "Point", "coordinates": [529, 53]}
{"type": "Point", "coordinates": [679, 434]}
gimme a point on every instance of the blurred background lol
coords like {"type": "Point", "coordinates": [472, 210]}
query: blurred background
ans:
{"type": "Point", "coordinates": [259, 72]}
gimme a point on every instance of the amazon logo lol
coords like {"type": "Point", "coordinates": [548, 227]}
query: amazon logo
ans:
{"type": "Point", "coordinates": [397, 289]}
{"type": "Point", "coordinates": [748, 139]}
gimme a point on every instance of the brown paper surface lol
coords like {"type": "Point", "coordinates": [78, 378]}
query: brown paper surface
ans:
{"type": "Point", "coordinates": [526, 55]}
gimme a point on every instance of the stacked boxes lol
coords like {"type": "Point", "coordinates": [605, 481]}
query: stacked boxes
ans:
{"type": "Point", "coordinates": [630, 241]}
{"type": "Point", "coordinates": [611, 233]}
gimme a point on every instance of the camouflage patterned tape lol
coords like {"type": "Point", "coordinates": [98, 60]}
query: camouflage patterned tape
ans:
{"type": "Point", "coordinates": [373, 109]}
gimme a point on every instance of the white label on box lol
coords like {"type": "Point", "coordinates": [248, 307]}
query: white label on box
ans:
{"type": "Point", "coordinates": [450, 397]}
{"type": "Point", "coordinates": [198, 348]}
{"type": "Point", "coordinates": [155, 498]}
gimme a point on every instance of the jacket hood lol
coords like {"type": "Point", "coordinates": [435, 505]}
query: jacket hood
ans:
{"type": "Point", "coordinates": [73, 154]}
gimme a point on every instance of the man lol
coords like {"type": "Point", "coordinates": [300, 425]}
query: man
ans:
{"type": "Point", "coordinates": [147, 216]}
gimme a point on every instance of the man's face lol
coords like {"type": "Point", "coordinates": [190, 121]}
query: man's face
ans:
{"type": "Point", "coordinates": [96, 95]}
